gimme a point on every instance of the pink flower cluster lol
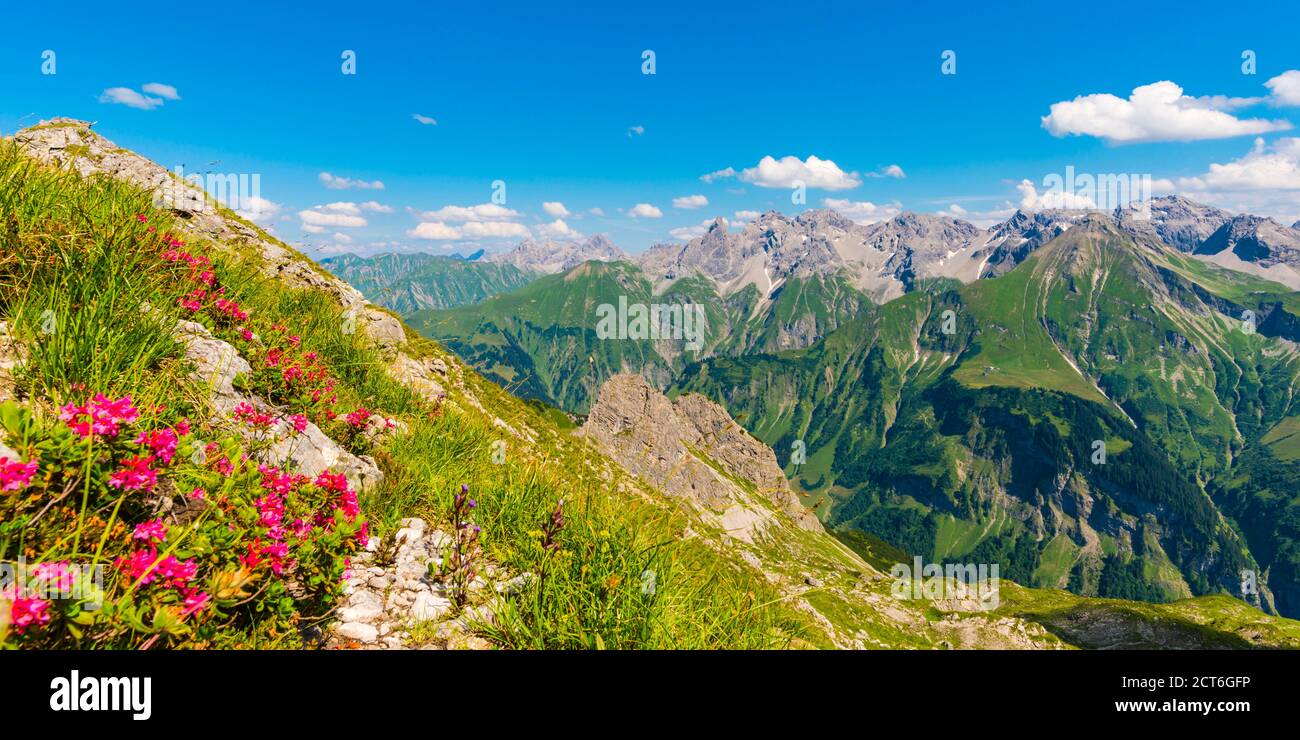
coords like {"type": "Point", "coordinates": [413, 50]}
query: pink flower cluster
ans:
{"type": "Point", "coordinates": [253, 418]}
{"type": "Point", "coordinates": [150, 531]}
{"type": "Point", "coordinates": [135, 474]}
{"type": "Point", "coordinates": [16, 475]}
{"type": "Point", "coordinates": [25, 612]}
{"type": "Point", "coordinates": [144, 567]}
{"type": "Point", "coordinates": [359, 418]}
{"type": "Point", "coordinates": [60, 576]}
{"type": "Point", "coordinates": [100, 417]}
{"type": "Point", "coordinates": [162, 443]}
{"type": "Point", "coordinates": [230, 309]}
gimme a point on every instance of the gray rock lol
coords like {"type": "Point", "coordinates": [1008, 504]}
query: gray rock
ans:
{"type": "Point", "coordinates": [429, 607]}
{"type": "Point", "coordinates": [310, 452]}
{"type": "Point", "coordinates": [366, 633]}
{"type": "Point", "coordinates": [363, 606]}
{"type": "Point", "coordinates": [658, 440]}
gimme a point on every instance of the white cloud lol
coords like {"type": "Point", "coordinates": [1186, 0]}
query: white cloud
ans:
{"type": "Point", "coordinates": [635, 131]}
{"type": "Point", "coordinates": [376, 207]}
{"type": "Point", "coordinates": [348, 207]}
{"type": "Point", "coordinates": [892, 170]}
{"type": "Point", "coordinates": [337, 215]}
{"type": "Point", "coordinates": [557, 229]}
{"type": "Point", "coordinates": [257, 210]}
{"type": "Point", "coordinates": [597, 211]}
{"type": "Point", "coordinates": [689, 202]}
{"type": "Point", "coordinates": [495, 229]}
{"type": "Point", "coordinates": [1156, 112]}
{"type": "Point", "coordinates": [864, 211]}
{"type": "Point", "coordinates": [1032, 200]}
{"type": "Point", "coordinates": [983, 219]}
{"type": "Point", "coordinates": [1265, 167]}
{"type": "Point", "coordinates": [719, 174]}
{"type": "Point", "coordinates": [314, 229]}
{"type": "Point", "coordinates": [645, 210]}
{"type": "Point", "coordinates": [345, 183]}
{"type": "Point", "coordinates": [130, 98]}
{"type": "Point", "coordinates": [813, 173]}
{"type": "Point", "coordinates": [686, 233]}
{"type": "Point", "coordinates": [161, 90]}
{"type": "Point", "coordinates": [746, 215]}
{"type": "Point", "coordinates": [434, 230]}
{"type": "Point", "coordinates": [344, 238]}
{"type": "Point", "coordinates": [438, 230]}
{"type": "Point", "coordinates": [480, 212]}
{"type": "Point", "coordinates": [427, 121]}
{"type": "Point", "coordinates": [1285, 88]}
{"type": "Point", "coordinates": [556, 208]}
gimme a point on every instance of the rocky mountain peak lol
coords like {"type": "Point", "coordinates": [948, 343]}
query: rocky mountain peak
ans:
{"type": "Point", "coordinates": [550, 256]}
{"type": "Point", "coordinates": [1258, 240]}
{"type": "Point", "coordinates": [1181, 223]}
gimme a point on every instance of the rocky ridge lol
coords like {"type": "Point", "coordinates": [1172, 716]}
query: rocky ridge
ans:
{"type": "Point", "coordinates": [551, 256]}
{"type": "Point", "coordinates": [691, 448]}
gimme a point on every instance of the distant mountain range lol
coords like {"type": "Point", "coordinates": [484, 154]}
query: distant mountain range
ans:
{"type": "Point", "coordinates": [947, 388]}
{"type": "Point", "coordinates": [410, 282]}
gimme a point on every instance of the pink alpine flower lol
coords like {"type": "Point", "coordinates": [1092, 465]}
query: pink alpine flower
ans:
{"type": "Point", "coordinates": [299, 423]}
{"type": "Point", "coordinates": [195, 601]}
{"type": "Point", "coordinates": [359, 418]}
{"type": "Point", "coordinates": [25, 613]}
{"type": "Point", "coordinates": [101, 417]}
{"type": "Point", "coordinates": [161, 442]}
{"type": "Point", "coordinates": [176, 573]}
{"type": "Point", "coordinates": [253, 418]}
{"type": "Point", "coordinates": [16, 475]}
{"type": "Point", "coordinates": [135, 474]}
{"type": "Point", "coordinates": [137, 565]}
{"type": "Point", "coordinates": [59, 576]}
{"type": "Point", "coordinates": [153, 530]}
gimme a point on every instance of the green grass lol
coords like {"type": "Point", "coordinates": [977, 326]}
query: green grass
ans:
{"type": "Point", "coordinates": [1284, 438]}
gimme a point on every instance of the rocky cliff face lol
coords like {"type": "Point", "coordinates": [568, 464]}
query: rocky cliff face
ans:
{"type": "Point", "coordinates": [690, 447]}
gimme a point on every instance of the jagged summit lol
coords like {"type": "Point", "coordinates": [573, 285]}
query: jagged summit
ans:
{"type": "Point", "coordinates": [549, 256]}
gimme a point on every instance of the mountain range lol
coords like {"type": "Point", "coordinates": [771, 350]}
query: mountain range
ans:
{"type": "Point", "coordinates": [945, 385]}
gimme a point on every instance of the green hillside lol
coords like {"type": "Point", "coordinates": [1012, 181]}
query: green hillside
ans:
{"type": "Point", "coordinates": [541, 341]}
{"type": "Point", "coordinates": [407, 283]}
{"type": "Point", "coordinates": [978, 442]}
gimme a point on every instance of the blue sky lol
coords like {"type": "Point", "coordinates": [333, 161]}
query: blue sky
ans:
{"type": "Point", "coordinates": [552, 101]}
